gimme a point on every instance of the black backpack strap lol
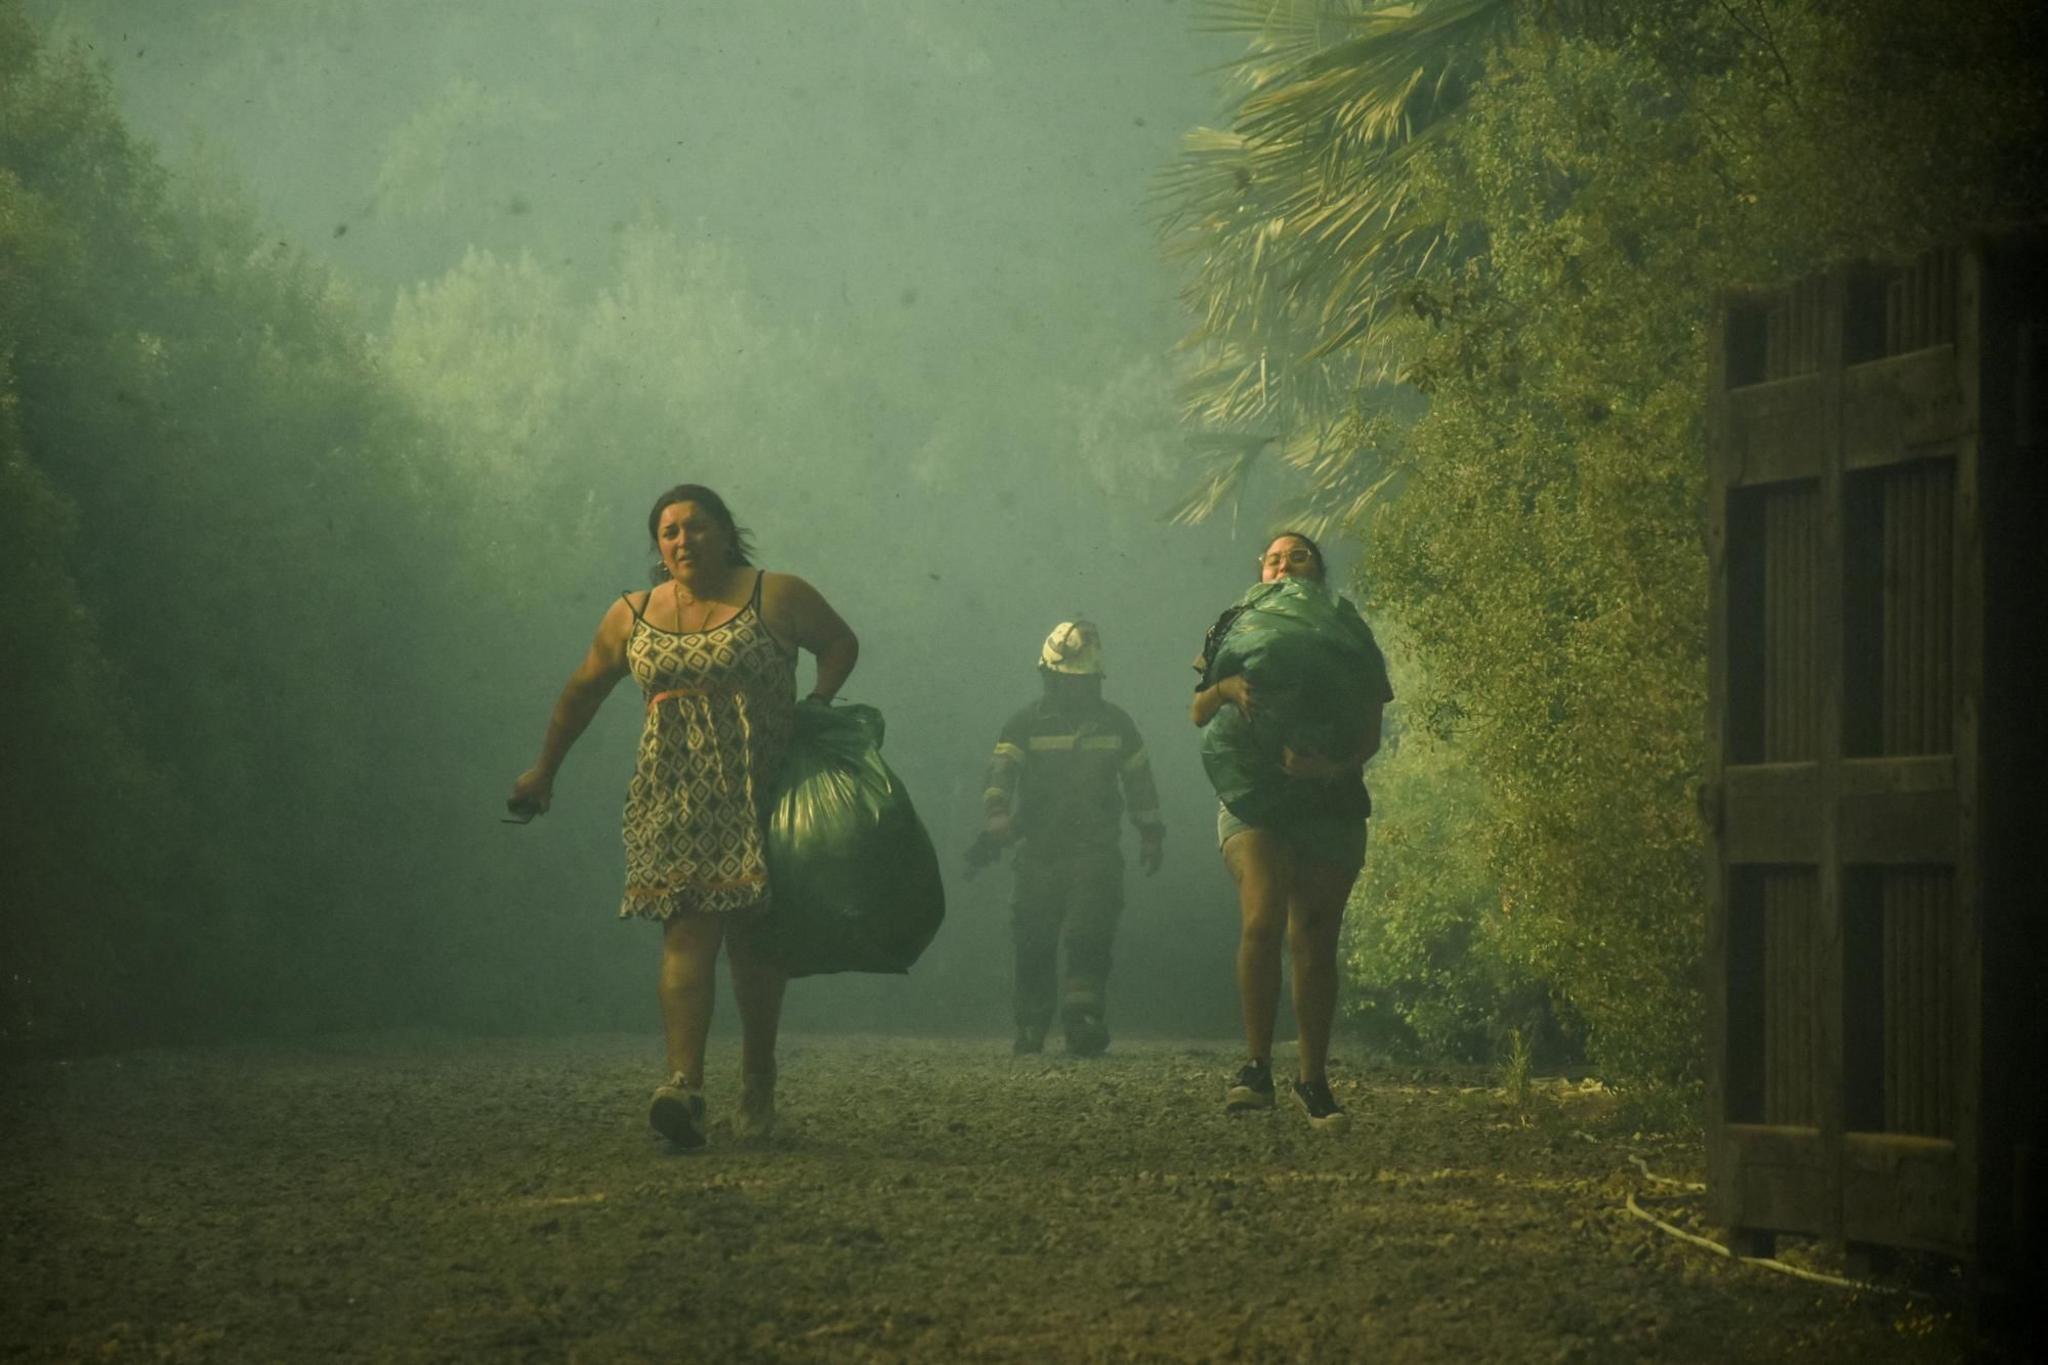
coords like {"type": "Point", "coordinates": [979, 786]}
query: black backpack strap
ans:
{"type": "Point", "coordinates": [1212, 644]}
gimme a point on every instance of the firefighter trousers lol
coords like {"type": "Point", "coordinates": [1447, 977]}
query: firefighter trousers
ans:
{"type": "Point", "coordinates": [1075, 892]}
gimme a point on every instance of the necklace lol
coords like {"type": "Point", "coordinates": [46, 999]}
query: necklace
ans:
{"type": "Point", "coordinates": [706, 604]}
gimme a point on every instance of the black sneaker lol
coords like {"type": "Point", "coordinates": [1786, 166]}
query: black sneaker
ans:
{"type": "Point", "coordinates": [1253, 1089]}
{"type": "Point", "coordinates": [1081, 1023]}
{"type": "Point", "coordinates": [1324, 1113]}
{"type": "Point", "coordinates": [1029, 1040]}
{"type": "Point", "coordinates": [677, 1113]}
{"type": "Point", "coordinates": [1086, 1035]}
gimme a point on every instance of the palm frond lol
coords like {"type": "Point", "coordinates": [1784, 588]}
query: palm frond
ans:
{"type": "Point", "coordinates": [1229, 461]}
{"type": "Point", "coordinates": [1299, 223]}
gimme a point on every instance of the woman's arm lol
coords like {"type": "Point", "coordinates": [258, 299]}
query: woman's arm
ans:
{"type": "Point", "coordinates": [798, 612]}
{"type": "Point", "coordinates": [585, 691]}
{"type": "Point", "coordinates": [1235, 690]}
{"type": "Point", "coordinates": [1307, 763]}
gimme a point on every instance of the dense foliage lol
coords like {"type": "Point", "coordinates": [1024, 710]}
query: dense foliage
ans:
{"type": "Point", "coordinates": [1535, 205]}
{"type": "Point", "coordinates": [299, 542]}
{"type": "Point", "coordinates": [262, 568]}
{"type": "Point", "coordinates": [192, 434]}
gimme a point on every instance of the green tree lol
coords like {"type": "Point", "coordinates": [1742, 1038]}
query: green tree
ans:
{"type": "Point", "coordinates": [218, 551]}
{"type": "Point", "coordinates": [1429, 960]}
{"type": "Point", "coordinates": [1302, 236]}
{"type": "Point", "coordinates": [1578, 185]}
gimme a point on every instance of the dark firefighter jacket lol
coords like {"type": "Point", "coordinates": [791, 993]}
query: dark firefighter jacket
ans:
{"type": "Point", "coordinates": [1057, 773]}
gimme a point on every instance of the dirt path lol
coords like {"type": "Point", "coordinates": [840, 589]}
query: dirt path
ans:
{"type": "Point", "coordinates": [429, 1199]}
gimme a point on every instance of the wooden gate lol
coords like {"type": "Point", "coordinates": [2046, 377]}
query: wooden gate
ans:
{"type": "Point", "coordinates": [1873, 528]}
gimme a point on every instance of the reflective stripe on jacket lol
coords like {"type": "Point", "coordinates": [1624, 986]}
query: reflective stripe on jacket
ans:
{"type": "Point", "coordinates": [1066, 774]}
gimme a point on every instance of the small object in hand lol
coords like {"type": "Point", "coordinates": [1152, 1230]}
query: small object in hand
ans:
{"type": "Point", "coordinates": [987, 848]}
{"type": "Point", "coordinates": [522, 813]}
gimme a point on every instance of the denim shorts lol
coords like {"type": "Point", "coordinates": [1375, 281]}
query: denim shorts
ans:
{"type": "Point", "coordinates": [1340, 843]}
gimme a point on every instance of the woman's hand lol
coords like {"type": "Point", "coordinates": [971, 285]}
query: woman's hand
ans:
{"type": "Point", "coordinates": [532, 793]}
{"type": "Point", "coordinates": [1235, 689]}
{"type": "Point", "coordinates": [585, 691]}
{"type": "Point", "coordinates": [1310, 764]}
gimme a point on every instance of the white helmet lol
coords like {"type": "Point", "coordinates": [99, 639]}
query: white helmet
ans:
{"type": "Point", "coordinates": [1074, 648]}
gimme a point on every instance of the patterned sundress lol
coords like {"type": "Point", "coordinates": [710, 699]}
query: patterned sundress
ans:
{"type": "Point", "coordinates": [721, 707]}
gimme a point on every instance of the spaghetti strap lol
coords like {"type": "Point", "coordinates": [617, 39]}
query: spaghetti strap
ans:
{"type": "Point", "coordinates": [754, 605]}
{"type": "Point", "coordinates": [721, 710]}
{"type": "Point", "coordinates": [627, 598]}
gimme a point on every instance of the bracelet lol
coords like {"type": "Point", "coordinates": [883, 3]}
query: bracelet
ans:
{"type": "Point", "coordinates": [819, 696]}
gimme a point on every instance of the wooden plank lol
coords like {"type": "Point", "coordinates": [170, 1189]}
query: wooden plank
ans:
{"type": "Point", "coordinates": [1831, 942]}
{"type": "Point", "coordinates": [1778, 1144]}
{"type": "Point", "coordinates": [1917, 705]}
{"type": "Point", "coordinates": [1792, 1030]}
{"type": "Point", "coordinates": [1904, 1192]}
{"type": "Point", "coordinates": [1770, 813]}
{"type": "Point", "coordinates": [1773, 431]}
{"type": "Point", "coordinates": [1794, 609]}
{"type": "Point", "coordinates": [1918, 911]}
{"type": "Point", "coordinates": [1889, 1151]}
{"type": "Point", "coordinates": [1720, 1155]}
{"type": "Point", "coordinates": [1740, 619]}
{"type": "Point", "coordinates": [1787, 1199]}
{"type": "Point", "coordinates": [1899, 810]}
{"type": "Point", "coordinates": [1917, 827]}
{"type": "Point", "coordinates": [1967, 1002]}
{"type": "Point", "coordinates": [1898, 776]}
{"type": "Point", "coordinates": [1794, 320]}
{"type": "Point", "coordinates": [1778, 1180]}
{"type": "Point", "coordinates": [1902, 407]}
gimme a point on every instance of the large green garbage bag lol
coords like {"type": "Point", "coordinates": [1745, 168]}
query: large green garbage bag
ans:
{"type": "Point", "coordinates": [1315, 669]}
{"type": "Point", "coordinates": [853, 878]}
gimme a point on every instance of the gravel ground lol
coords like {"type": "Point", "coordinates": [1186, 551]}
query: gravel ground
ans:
{"type": "Point", "coordinates": [408, 1199]}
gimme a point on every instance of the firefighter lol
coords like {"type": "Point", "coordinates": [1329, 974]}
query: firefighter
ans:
{"type": "Point", "coordinates": [1063, 772]}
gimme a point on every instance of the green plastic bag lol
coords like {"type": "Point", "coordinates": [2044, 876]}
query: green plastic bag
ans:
{"type": "Point", "coordinates": [853, 877]}
{"type": "Point", "coordinates": [1313, 665]}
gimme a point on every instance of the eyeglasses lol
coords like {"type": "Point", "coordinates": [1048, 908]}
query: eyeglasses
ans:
{"type": "Point", "coordinates": [1297, 555]}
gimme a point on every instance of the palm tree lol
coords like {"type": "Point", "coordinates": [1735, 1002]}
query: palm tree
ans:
{"type": "Point", "coordinates": [1302, 232]}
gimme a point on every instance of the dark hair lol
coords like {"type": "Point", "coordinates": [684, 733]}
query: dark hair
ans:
{"type": "Point", "coordinates": [1322, 566]}
{"type": "Point", "coordinates": [742, 539]}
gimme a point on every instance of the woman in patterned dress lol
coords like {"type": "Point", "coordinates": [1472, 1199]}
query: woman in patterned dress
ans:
{"type": "Point", "coordinates": [713, 646]}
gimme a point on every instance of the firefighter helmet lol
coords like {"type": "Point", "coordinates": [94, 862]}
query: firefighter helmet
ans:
{"type": "Point", "coordinates": [1074, 647]}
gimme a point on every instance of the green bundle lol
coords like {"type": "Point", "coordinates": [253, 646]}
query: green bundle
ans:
{"type": "Point", "coordinates": [853, 877]}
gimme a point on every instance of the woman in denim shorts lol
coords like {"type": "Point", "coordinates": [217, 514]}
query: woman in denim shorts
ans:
{"type": "Point", "coordinates": [1293, 880]}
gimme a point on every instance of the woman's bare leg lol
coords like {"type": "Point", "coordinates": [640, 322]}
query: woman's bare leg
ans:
{"type": "Point", "coordinates": [1259, 864]}
{"type": "Point", "coordinates": [1315, 920]}
{"type": "Point", "coordinates": [689, 983]}
{"type": "Point", "coordinates": [757, 987]}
